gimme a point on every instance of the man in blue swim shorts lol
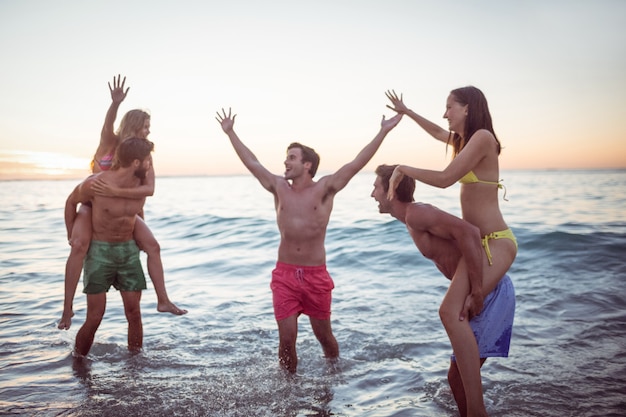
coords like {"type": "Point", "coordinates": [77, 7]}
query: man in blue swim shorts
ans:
{"type": "Point", "coordinates": [113, 256]}
{"type": "Point", "coordinates": [300, 283]}
{"type": "Point", "coordinates": [454, 245]}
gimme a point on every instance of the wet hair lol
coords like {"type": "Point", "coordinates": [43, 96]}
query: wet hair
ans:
{"type": "Point", "coordinates": [478, 116]}
{"type": "Point", "coordinates": [131, 149]}
{"type": "Point", "coordinates": [406, 188]}
{"type": "Point", "coordinates": [131, 123]}
{"type": "Point", "coordinates": [308, 155]}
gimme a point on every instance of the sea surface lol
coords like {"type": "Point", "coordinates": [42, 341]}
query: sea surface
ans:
{"type": "Point", "coordinates": [219, 241]}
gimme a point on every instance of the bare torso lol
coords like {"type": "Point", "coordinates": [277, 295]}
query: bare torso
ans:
{"type": "Point", "coordinates": [480, 202]}
{"type": "Point", "coordinates": [302, 216]}
{"type": "Point", "coordinates": [113, 218]}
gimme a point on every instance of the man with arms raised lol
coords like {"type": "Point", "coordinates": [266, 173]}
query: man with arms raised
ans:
{"type": "Point", "coordinates": [454, 245]}
{"type": "Point", "coordinates": [113, 256]}
{"type": "Point", "coordinates": [300, 282]}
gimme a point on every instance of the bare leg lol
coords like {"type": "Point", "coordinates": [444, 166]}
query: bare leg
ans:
{"type": "Point", "coordinates": [456, 385]}
{"type": "Point", "coordinates": [287, 334]}
{"type": "Point", "coordinates": [132, 309]}
{"type": "Point", "coordinates": [461, 337]}
{"type": "Point", "coordinates": [463, 342]}
{"type": "Point", "coordinates": [96, 305]}
{"type": "Point", "coordinates": [324, 333]}
{"type": "Point", "coordinates": [79, 242]}
{"type": "Point", "coordinates": [146, 241]}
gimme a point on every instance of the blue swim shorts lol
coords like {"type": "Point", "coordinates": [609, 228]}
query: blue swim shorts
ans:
{"type": "Point", "coordinates": [494, 325]}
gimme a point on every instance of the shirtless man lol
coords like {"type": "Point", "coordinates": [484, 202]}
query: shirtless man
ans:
{"type": "Point", "coordinates": [300, 282]}
{"type": "Point", "coordinates": [454, 246]}
{"type": "Point", "coordinates": [113, 256]}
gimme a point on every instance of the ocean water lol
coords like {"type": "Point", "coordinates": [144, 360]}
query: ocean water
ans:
{"type": "Point", "coordinates": [218, 242]}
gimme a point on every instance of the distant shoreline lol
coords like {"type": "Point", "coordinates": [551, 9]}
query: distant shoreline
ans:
{"type": "Point", "coordinates": [75, 177]}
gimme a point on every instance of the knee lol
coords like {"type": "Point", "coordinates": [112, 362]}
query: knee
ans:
{"type": "Point", "coordinates": [454, 379]}
{"type": "Point", "coordinates": [447, 315]}
{"type": "Point", "coordinates": [287, 341]}
{"type": "Point", "coordinates": [133, 314]}
{"type": "Point", "coordinates": [80, 246]}
{"type": "Point", "coordinates": [326, 339]}
{"type": "Point", "coordinates": [93, 319]}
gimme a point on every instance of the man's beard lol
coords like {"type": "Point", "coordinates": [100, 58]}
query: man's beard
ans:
{"type": "Point", "coordinates": [141, 173]}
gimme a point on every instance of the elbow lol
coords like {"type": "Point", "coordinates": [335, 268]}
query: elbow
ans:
{"type": "Point", "coordinates": [446, 180]}
{"type": "Point", "coordinates": [443, 182]}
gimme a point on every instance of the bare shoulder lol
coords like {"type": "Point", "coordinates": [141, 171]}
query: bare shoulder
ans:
{"type": "Point", "coordinates": [421, 215]}
{"type": "Point", "coordinates": [428, 216]}
{"type": "Point", "coordinates": [483, 137]}
{"type": "Point", "coordinates": [83, 191]}
{"type": "Point", "coordinates": [90, 179]}
{"type": "Point", "coordinates": [326, 184]}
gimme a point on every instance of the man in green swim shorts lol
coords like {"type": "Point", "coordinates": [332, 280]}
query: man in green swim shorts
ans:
{"type": "Point", "coordinates": [113, 256]}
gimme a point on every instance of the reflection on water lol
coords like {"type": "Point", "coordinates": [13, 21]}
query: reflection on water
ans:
{"type": "Point", "coordinates": [15, 165]}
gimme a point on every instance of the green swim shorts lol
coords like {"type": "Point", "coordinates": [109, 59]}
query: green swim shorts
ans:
{"type": "Point", "coordinates": [113, 263]}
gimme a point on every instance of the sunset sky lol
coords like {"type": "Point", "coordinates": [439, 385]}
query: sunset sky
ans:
{"type": "Point", "coordinates": [554, 73]}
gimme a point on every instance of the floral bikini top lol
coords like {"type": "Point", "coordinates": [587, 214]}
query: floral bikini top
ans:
{"type": "Point", "coordinates": [471, 178]}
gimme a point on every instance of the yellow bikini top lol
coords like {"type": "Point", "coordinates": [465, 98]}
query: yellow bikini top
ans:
{"type": "Point", "coordinates": [471, 178]}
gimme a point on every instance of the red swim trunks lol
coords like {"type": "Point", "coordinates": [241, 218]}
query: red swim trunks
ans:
{"type": "Point", "coordinates": [301, 289]}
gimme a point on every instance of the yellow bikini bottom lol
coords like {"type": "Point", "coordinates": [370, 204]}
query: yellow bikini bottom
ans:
{"type": "Point", "coordinates": [503, 234]}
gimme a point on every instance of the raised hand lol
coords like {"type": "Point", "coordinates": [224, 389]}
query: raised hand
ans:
{"type": "Point", "coordinates": [101, 188]}
{"type": "Point", "coordinates": [398, 104]}
{"type": "Point", "coordinates": [118, 94]}
{"type": "Point", "coordinates": [391, 123]}
{"type": "Point", "coordinates": [394, 181]}
{"type": "Point", "coordinates": [225, 120]}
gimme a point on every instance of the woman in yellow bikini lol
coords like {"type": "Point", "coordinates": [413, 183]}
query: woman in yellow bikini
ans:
{"type": "Point", "coordinates": [475, 166]}
{"type": "Point", "coordinates": [135, 123]}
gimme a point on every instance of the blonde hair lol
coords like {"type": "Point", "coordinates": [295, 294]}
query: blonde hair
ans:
{"type": "Point", "coordinates": [131, 123]}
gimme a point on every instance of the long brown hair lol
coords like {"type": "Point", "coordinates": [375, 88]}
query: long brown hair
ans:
{"type": "Point", "coordinates": [478, 116]}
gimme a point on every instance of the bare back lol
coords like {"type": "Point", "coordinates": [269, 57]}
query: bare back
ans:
{"type": "Point", "coordinates": [429, 229]}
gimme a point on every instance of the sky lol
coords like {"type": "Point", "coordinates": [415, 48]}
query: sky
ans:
{"type": "Point", "coordinates": [553, 71]}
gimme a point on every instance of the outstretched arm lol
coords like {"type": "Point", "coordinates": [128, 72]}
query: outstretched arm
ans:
{"type": "Point", "coordinates": [431, 128]}
{"type": "Point", "coordinates": [340, 179]}
{"type": "Point", "coordinates": [266, 178]}
{"type": "Point", "coordinates": [146, 189]}
{"type": "Point", "coordinates": [477, 148]}
{"type": "Point", "coordinates": [118, 94]}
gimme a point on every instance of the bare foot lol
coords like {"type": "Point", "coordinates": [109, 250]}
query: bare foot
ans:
{"type": "Point", "coordinates": [170, 307]}
{"type": "Point", "coordinates": [66, 320]}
